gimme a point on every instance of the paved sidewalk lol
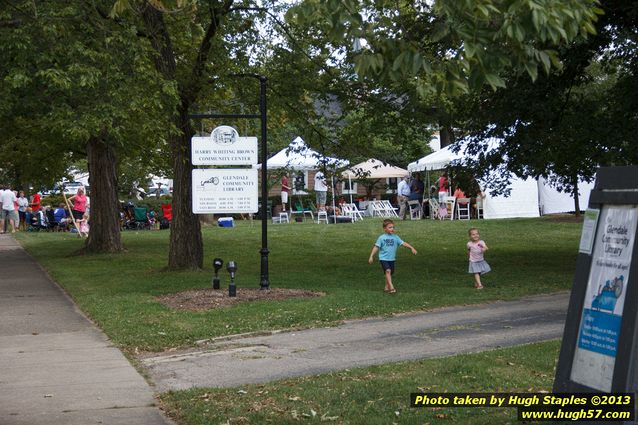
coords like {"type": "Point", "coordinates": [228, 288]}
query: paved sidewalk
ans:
{"type": "Point", "coordinates": [444, 332]}
{"type": "Point", "coordinates": [56, 367]}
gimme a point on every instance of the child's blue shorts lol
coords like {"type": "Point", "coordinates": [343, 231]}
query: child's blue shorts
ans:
{"type": "Point", "coordinates": [387, 265]}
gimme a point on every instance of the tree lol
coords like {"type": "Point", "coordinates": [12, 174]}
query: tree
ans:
{"type": "Point", "coordinates": [337, 114]}
{"type": "Point", "coordinates": [193, 42]}
{"type": "Point", "coordinates": [76, 70]}
{"type": "Point", "coordinates": [567, 124]}
{"type": "Point", "coordinates": [449, 46]}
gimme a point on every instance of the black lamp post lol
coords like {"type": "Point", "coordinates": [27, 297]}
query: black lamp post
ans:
{"type": "Point", "coordinates": [231, 266]}
{"type": "Point", "coordinates": [217, 265]}
{"type": "Point", "coordinates": [264, 282]}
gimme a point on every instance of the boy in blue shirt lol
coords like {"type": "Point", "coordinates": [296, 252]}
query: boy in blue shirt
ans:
{"type": "Point", "coordinates": [387, 245]}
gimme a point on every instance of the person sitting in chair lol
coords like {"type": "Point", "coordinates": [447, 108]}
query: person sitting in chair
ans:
{"type": "Point", "coordinates": [59, 217]}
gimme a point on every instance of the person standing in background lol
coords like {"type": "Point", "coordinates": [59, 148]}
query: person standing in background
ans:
{"type": "Point", "coordinates": [8, 199]}
{"type": "Point", "coordinates": [285, 191]}
{"type": "Point", "coordinates": [35, 202]}
{"type": "Point", "coordinates": [417, 187]}
{"type": "Point", "coordinates": [321, 190]}
{"type": "Point", "coordinates": [443, 187]}
{"type": "Point", "coordinates": [23, 204]}
{"type": "Point", "coordinates": [79, 204]}
{"type": "Point", "coordinates": [403, 192]}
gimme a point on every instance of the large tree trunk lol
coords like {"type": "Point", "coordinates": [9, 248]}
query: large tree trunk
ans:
{"type": "Point", "coordinates": [104, 235]}
{"type": "Point", "coordinates": [186, 249]}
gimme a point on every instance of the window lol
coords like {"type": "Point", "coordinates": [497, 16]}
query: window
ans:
{"type": "Point", "coordinates": [392, 183]}
{"type": "Point", "coordinates": [300, 183]}
{"type": "Point", "coordinates": [349, 187]}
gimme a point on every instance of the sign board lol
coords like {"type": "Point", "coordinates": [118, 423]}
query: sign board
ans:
{"type": "Point", "coordinates": [599, 351]}
{"type": "Point", "coordinates": [225, 191]}
{"type": "Point", "coordinates": [607, 286]}
{"type": "Point", "coordinates": [224, 147]}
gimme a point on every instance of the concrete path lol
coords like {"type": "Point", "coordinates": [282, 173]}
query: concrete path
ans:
{"type": "Point", "coordinates": [56, 367]}
{"type": "Point", "coordinates": [444, 332]}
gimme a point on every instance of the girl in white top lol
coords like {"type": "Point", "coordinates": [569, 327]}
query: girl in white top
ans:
{"type": "Point", "coordinates": [475, 249]}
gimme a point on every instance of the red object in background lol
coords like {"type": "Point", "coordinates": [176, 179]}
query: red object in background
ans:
{"type": "Point", "coordinates": [167, 211]}
{"type": "Point", "coordinates": [35, 205]}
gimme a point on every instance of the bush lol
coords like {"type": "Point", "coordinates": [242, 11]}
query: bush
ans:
{"type": "Point", "coordinates": [53, 200]}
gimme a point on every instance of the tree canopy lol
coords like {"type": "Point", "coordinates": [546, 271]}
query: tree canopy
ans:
{"type": "Point", "coordinates": [570, 122]}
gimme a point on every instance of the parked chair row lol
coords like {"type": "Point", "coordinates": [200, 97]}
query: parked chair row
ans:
{"type": "Point", "coordinates": [384, 209]}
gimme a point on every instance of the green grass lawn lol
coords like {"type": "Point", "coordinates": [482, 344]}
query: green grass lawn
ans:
{"type": "Point", "coordinates": [376, 395]}
{"type": "Point", "coordinates": [528, 256]}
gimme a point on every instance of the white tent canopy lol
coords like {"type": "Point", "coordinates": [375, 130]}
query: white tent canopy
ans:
{"type": "Point", "coordinates": [528, 198]}
{"type": "Point", "coordinates": [299, 156]}
{"type": "Point", "coordinates": [435, 161]}
{"type": "Point", "coordinates": [374, 169]}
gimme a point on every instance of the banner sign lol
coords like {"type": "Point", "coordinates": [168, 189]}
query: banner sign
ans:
{"type": "Point", "coordinates": [224, 147]}
{"type": "Point", "coordinates": [595, 353]}
{"type": "Point", "coordinates": [225, 191]}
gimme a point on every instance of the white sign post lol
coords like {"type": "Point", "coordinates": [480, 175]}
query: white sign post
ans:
{"type": "Point", "coordinates": [224, 190]}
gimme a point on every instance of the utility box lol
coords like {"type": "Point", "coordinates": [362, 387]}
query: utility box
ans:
{"type": "Point", "coordinates": [599, 351]}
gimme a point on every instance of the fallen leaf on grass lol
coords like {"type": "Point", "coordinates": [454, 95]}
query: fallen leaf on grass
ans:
{"type": "Point", "coordinates": [326, 418]}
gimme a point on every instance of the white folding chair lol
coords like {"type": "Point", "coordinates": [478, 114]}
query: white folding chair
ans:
{"type": "Point", "coordinates": [479, 207]}
{"type": "Point", "coordinates": [356, 212]}
{"type": "Point", "coordinates": [450, 203]}
{"type": "Point", "coordinates": [322, 216]}
{"type": "Point", "coordinates": [463, 208]}
{"type": "Point", "coordinates": [377, 209]}
{"type": "Point", "coordinates": [415, 210]}
{"type": "Point", "coordinates": [283, 218]}
{"type": "Point", "coordinates": [389, 209]}
{"type": "Point", "coordinates": [434, 208]}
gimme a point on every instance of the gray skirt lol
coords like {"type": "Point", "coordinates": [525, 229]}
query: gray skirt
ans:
{"type": "Point", "coordinates": [480, 267]}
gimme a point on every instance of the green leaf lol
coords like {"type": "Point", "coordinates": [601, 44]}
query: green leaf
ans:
{"type": "Point", "coordinates": [545, 60]}
{"type": "Point", "coordinates": [494, 80]}
{"type": "Point", "coordinates": [532, 71]}
{"type": "Point", "coordinates": [470, 50]}
{"type": "Point", "coordinates": [417, 60]}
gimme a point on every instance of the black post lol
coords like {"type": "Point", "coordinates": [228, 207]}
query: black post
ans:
{"type": "Point", "coordinates": [265, 283]}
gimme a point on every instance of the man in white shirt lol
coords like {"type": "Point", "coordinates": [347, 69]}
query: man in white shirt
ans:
{"type": "Point", "coordinates": [321, 190]}
{"type": "Point", "coordinates": [7, 198]}
{"type": "Point", "coordinates": [403, 195]}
